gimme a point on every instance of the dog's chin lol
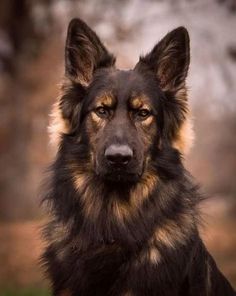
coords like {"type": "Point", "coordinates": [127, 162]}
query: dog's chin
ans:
{"type": "Point", "coordinates": [124, 175]}
{"type": "Point", "coordinates": [121, 177]}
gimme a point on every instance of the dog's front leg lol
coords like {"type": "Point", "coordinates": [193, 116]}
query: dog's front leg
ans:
{"type": "Point", "coordinates": [205, 279]}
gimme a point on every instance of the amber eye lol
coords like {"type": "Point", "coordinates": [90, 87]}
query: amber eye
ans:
{"type": "Point", "coordinates": [102, 112]}
{"type": "Point", "coordinates": [143, 113]}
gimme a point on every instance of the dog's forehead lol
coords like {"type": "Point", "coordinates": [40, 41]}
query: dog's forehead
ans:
{"type": "Point", "coordinates": [126, 81]}
{"type": "Point", "coordinates": [122, 85]}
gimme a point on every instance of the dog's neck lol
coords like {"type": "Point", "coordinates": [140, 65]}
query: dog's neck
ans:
{"type": "Point", "coordinates": [107, 213]}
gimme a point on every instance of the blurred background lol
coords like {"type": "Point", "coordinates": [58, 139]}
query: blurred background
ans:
{"type": "Point", "coordinates": [32, 35]}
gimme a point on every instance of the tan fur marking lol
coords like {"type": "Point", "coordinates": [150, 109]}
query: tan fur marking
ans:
{"type": "Point", "coordinates": [91, 202]}
{"type": "Point", "coordinates": [149, 255]}
{"type": "Point", "coordinates": [154, 255]}
{"type": "Point", "coordinates": [120, 209]}
{"type": "Point", "coordinates": [136, 103]}
{"type": "Point", "coordinates": [171, 233]}
{"type": "Point", "coordinates": [106, 99]}
{"type": "Point", "coordinates": [80, 181]}
{"type": "Point", "coordinates": [143, 189]}
{"type": "Point", "coordinates": [58, 125]}
{"type": "Point", "coordinates": [185, 137]}
{"type": "Point", "coordinates": [147, 121]}
{"type": "Point", "coordinates": [166, 234]}
{"type": "Point", "coordinates": [98, 120]}
{"type": "Point", "coordinates": [123, 210]}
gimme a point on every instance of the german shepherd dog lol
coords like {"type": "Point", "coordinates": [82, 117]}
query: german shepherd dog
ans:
{"type": "Point", "coordinates": [123, 207]}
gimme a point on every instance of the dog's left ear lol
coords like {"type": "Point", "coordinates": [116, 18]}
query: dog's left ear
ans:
{"type": "Point", "coordinates": [84, 53]}
{"type": "Point", "coordinates": [169, 59]}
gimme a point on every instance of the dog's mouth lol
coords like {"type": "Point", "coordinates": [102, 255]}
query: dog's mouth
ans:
{"type": "Point", "coordinates": [119, 174]}
{"type": "Point", "coordinates": [121, 177]}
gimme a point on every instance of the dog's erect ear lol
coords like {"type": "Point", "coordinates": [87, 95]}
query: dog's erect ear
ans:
{"type": "Point", "coordinates": [169, 59]}
{"type": "Point", "coordinates": [84, 53]}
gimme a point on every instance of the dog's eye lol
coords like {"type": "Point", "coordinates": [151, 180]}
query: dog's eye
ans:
{"type": "Point", "coordinates": [143, 113]}
{"type": "Point", "coordinates": [102, 112]}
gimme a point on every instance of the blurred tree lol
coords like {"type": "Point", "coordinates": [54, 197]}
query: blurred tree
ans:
{"type": "Point", "coordinates": [17, 25]}
{"type": "Point", "coordinates": [20, 42]}
{"type": "Point", "coordinates": [230, 4]}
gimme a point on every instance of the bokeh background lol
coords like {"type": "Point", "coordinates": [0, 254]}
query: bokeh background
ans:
{"type": "Point", "coordinates": [32, 35]}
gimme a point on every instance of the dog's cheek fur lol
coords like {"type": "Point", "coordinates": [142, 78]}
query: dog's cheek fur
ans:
{"type": "Point", "coordinates": [149, 132]}
{"type": "Point", "coordinates": [58, 126]}
{"type": "Point", "coordinates": [184, 137]}
{"type": "Point", "coordinates": [65, 114]}
{"type": "Point", "coordinates": [94, 126]}
{"type": "Point", "coordinates": [177, 120]}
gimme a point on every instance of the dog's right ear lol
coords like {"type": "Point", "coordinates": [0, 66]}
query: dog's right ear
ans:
{"type": "Point", "coordinates": [84, 53]}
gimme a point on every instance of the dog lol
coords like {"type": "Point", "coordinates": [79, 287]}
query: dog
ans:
{"type": "Point", "coordinates": [124, 211]}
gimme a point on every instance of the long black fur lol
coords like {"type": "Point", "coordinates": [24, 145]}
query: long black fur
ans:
{"type": "Point", "coordinates": [91, 251]}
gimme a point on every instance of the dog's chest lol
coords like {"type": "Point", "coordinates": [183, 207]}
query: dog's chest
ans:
{"type": "Point", "coordinates": [99, 270]}
{"type": "Point", "coordinates": [112, 271]}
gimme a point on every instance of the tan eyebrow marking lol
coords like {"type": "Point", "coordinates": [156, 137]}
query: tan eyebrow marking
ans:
{"type": "Point", "coordinates": [106, 99]}
{"type": "Point", "coordinates": [139, 101]}
{"type": "Point", "coordinates": [136, 103]}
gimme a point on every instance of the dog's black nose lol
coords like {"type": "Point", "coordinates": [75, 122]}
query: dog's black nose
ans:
{"type": "Point", "coordinates": [118, 154]}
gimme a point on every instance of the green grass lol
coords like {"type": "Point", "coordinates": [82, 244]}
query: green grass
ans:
{"type": "Point", "coordinates": [24, 292]}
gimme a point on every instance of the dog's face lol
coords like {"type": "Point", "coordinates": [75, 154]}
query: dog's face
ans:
{"type": "Point", "coordinates": [124, 117]}
{"type": "Point", "coordinates": [121, 122]}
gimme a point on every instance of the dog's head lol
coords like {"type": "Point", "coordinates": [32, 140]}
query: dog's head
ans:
{"type": "Point", "coordinates": [123, 117]}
